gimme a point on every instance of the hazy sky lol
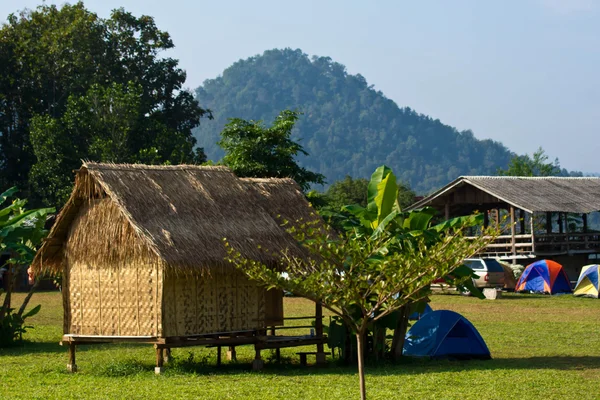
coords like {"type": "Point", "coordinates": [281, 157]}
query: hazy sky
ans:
{"type": "Point", "coordinates": [524, 72]}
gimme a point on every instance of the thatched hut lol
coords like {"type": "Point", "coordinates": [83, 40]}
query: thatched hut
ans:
{"type": "Point", "coordinates": [140, 249]}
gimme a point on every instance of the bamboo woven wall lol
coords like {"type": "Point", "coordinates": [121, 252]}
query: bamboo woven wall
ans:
{"type": "Point", "coordinates": [112, 286]}
{"type": "Point", "coordinates": [222, 301]}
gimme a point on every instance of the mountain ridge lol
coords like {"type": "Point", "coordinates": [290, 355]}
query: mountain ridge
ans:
{"type": "Point", "coordinates": [348, 127]}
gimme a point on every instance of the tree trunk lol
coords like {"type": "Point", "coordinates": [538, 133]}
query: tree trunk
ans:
{"type": "Point", "coordinates": [400, 332]}
{"type": "Point", "coordinates": [360, 337]}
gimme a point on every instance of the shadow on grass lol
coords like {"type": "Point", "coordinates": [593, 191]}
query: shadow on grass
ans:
{"type": "Point", "coordinates": [290, 367]}
{"type": "Point", "coordinates": [27, 347]}
{"type": "Point", "coordinates": [30, 347]}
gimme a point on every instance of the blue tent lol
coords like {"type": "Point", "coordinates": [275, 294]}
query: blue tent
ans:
{"type": "Point", "coordinates": [418, 315]}
{"type": "Point", "coordinates": [445, 334]}
{"type": "Point", "coordinates": [544, 276]}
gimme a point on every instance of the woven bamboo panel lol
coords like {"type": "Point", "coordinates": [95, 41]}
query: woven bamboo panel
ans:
{"type": "Point", "coordinates": [115, 301]}
{"type": "Point", "coordinates": [114, 283]}
{"type": "Point", "coordinates": [217, 302]}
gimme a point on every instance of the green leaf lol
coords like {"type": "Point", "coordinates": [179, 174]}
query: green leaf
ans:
{"type": "Point", "coordinates": [387, 197]}
{"type": "Point", "coordinates": [32, 312]}
{"type": "Point", "coordinates": [373, 188]}
{"type": "Point", "coordinates": [8, 193]}
{"type": "Point", "coordinates": [419, 219]}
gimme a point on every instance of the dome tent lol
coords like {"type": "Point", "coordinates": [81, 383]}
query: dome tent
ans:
{"type": "Point", "coordinates": [445, 334]}
{"type": "Point", "coordinates": [418, 315]}
{"type": "Point", "coordinates": [544, 276]}
{"type": "Point", "coordinates": [588, 283]}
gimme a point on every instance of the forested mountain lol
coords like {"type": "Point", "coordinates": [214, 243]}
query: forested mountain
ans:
{"type": "Point", "coordinates": [348, 127]}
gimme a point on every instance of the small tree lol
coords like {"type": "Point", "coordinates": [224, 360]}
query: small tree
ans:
{"type": "Point", "coordinates": [21, 232]}
{"type": "Point", "coordinates": [377, 266]}
{"type": "Point", "coordinates": [253, 150]}
{"type": "Point", "coordinates": [534, 165]}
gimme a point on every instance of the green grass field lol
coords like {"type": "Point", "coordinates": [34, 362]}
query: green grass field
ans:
{"type": "Point", "coordinates": [543, 347]}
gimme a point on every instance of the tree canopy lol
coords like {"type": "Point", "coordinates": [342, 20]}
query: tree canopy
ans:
{"type": "Point", "coordinates": [349, 127]}
{"type": "Point", "coordinates": [535, 165]}
{"type": "Point", "coordinates": [253, 150]}
{"type": "Point", "coordinates": [76, 86]}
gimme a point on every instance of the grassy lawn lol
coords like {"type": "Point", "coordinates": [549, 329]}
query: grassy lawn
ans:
{"type": "Point", "coordinates": [543, 347]}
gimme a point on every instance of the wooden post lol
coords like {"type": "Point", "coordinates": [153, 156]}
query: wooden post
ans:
{"type": "Point", "coordinates": [277, 350]}
{"type": "Point", "coordinates": [560, 223]}
{"type": "Point", "coordinates": [218, 356]}
{"type": "Point", "coordinates": [167, 354]}
{"type": "Point", "coordinates": [159, 360]}
{"type": "Point", "coordinates": [512, 234]}
{"type": "Point", "coordinates": [522, 221]}
{"type": "Point", "coordinates": [532, 232]}
{"type": "Point", "coordinates": [497, 217]}
{"type": "Point", "coordinates": [548, 222]}
{"type": "Point", "coordinates": [567, 232]}
{"type": "Point", "coordinates": [72, 365]}
{"type": "Point", "coordinates": [486, 219]}
{"type": "Point", "coordinates": [584, 217]}
{"type": "Point", "coordinates": [231, 354]}
{"type": "Point", "coordinates": [319, 332]}
{"type": "Point", "coordinates": [258, 363]}
{"type": "Point", "coordinates": [447, 210]}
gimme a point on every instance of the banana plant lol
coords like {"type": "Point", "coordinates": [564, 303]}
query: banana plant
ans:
{"type": "Point", "coordinates": [21, 231]}
{"type": "Point", "coordinates": [383, 215]}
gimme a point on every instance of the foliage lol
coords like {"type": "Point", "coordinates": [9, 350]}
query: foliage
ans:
{"type": "Point", "coordinates": [347, 191]}
{"type": "Point", "coordinates": [384, 260]}
{"type": "Point", "coordinates": [350, 127]}
{"type": "Point", "coordinates": [70, 76]}
{"type": "Point", "coordinates": [535, 165]}
{"type": "Point", "coordinates": [253, 150]}
{"type": "Point", "coordinates": [21, 232]}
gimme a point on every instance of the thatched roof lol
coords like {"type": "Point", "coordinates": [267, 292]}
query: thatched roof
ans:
{"type": "Point", "coordinates": [532, 194]}
{"type": "Point", "coordinates": [283, 199]}
{"type": "Point", "coordinates": [182, 213]}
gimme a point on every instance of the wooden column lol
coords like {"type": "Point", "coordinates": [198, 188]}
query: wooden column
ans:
{"type": "Point", "coordinates": [512, 233]}
{"type": "Point", "coordinates": [497, 217]}
{"type": "Point", "coordinates": [560, 223]}
{"type": "Point", "coordinates": [522, 221]}
{"type": "Point", "coordinates": [218, 355]}
{"type": "Point", "coordinates": [277, 350]}
{"type": "Point", "coordinates": [447, 210]}
{"type": "Point", "coordinates": [319, 332]}
{"type": "Point", "coordinates": [486, 218]}
{"type": "Point", "coordinates": [548, 222]}
{"type": "Point", "coordinates": [585, 230]}
{"type": "Point", "coordinates": [532, 232]}
{"type": "Point", "coordinates": [258, 362]}
{"type": "Point", "coordinates": [567, 231]}
{"type": "Point", "coordinates": [231, 354]}
{"type": "Point", "coordinates": [159, 360]}
{"type": "Point", "coordinates": [72, 365]}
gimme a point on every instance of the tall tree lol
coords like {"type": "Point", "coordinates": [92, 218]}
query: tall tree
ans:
{"type": "Point", "coordinates": [21, 231]}
{"type": "Point", "coordinates": [534, 165]}
{"type": "Point", "coordinates": [52, 58]}
{"type": "Point", "coordinates": [253, 150]}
